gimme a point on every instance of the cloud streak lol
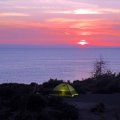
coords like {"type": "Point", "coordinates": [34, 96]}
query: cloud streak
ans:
{"type": "Point", "coordinates": [7, 14]}
{"type": "Point", "coordinates": [88, 11]}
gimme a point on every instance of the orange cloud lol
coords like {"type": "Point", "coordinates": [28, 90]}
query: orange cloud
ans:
{"type": "Point", "coordinates": [69, 31]}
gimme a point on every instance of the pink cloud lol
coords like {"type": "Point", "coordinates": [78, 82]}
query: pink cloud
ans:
{"type": "Point", "coordinates": [13, 14]}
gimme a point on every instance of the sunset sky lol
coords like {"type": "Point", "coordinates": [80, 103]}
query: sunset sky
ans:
{"type": "Point", "coordinates": [60, 22]}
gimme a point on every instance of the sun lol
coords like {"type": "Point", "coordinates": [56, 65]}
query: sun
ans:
{"type": "Point", "coordinates": [83, 42]}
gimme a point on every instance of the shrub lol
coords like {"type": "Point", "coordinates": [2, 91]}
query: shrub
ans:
{"type": "Point", "coordinates": [36, 103]}
{"type": "Point", "coordinates": [55, 101]}
{"type": "Point", "coordinates": [68, 112]}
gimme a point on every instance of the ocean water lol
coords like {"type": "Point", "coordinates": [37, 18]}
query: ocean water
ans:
{"type": "Point", "coordinates": [33, 64]}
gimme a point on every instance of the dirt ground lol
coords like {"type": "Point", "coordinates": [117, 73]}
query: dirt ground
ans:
{"type": "Point", "coordinates": [87, 104]}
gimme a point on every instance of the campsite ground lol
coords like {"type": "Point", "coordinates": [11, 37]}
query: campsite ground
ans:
{"type": "Point", "coordinates": [85, 103]}
{"type": "Point", "coordinates": [19, 102]}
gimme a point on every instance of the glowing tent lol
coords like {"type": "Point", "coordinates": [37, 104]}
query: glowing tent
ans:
{"type": "Point", "coordinates": [64, 89]}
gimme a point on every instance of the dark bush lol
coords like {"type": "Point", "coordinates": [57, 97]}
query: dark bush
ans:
{"type": "Point", "coordinates": [24, 116]}
{"type": "Point", "coordinates": [55, 101]}
{"type": "Point", "coordinates": [52, 83]}
{"type": "Point", "coordinates": [15, 103]}
{"type": "Point", "coordinates": [6, 92]}
{"type": "Point", "coordinates": [5, 115]}
{"type": "Point", "coordinates": [9, 90]}
{"type": "Point", "coordinates": [36, 103]}
{"type": "Point", "coordinates": [68, 112]}
{"type": "Point", "coordinates": [46, 115]}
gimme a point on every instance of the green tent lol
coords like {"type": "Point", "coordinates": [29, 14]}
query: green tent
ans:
{"type": "Point", "coordinates": [64, 89]}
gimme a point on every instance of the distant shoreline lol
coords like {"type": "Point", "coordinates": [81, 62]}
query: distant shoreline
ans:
{"type": "Point", "coordinates": [57, 46]}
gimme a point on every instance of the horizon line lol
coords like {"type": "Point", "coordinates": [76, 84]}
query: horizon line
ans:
{"type": "Point", "coordinates": [57, 45]}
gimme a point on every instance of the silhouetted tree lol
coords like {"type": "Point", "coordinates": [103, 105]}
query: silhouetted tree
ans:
{"type": "Point", "coordinates": [99, 68]}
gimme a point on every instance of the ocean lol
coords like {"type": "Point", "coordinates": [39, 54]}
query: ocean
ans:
{"type": "Point", "coordinates": [34, 64]}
